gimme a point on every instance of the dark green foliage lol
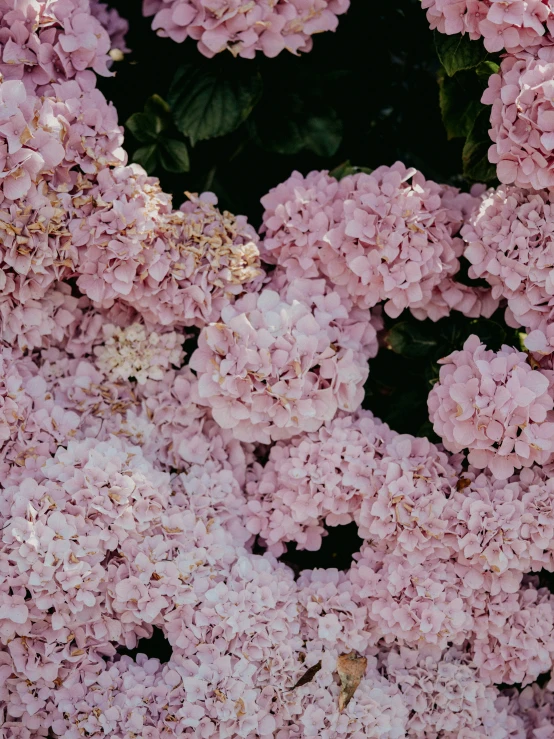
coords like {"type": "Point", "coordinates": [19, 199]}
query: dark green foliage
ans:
{"type": "Point", "coordinates": [459, 101]}
{"type": "Point", "coordinates": [476, 164]}
{"type": "Point", "coordinates": [458, 52]}
{"type": "Point", "coordinates": [154, 129]}
{"type": "Point", "coordinates": [213, 100]}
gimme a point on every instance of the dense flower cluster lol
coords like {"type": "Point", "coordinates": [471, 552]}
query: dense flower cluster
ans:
{"type": "Point", "coordinates": [279, 364]}
{"type": "Point", "coordinates": [512, 25]}
{"type": "Point", "coordinates": [389, 236]}
{"type": "Point", "coordinates": [131, 353]}
{"type": "Point", "coordinates": [141, 477]}
{"type": "Point", "coordinates": [496, 406]}
{"type": "Point", "coordinates": [522, 114]}
{"type": "Point", "coordinates": [522, 120]}
{"type": "Point", "coordinates": [354, 468]}
{"type": "Point", "coordinates": [244, 28]}
{"type": "Point", "coordinates": [509, 243]}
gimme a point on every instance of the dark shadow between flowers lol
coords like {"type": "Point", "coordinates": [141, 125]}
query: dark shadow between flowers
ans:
{"type": "Point", "coordinates": [336, 551]}
{"type": "Point", "coordinates": [157, 647]}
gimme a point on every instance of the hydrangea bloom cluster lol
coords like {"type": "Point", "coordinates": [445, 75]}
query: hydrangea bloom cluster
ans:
{"type": "Point", "coordinates": [508, 243]}
{"type": "Point", "coordinates": [520, 94]}
{"type": "Point", "coordinates": [388, 236]}
{"type": "Point", "coordinates": [513, 25]}
{"type": "Point", "coordinates": [521, 120]}
{"type": "Point", "coordinates": [445, 696]}
{"type": "Point", "coordinates": [115, 26]}
{"type": "Point", "coordinates": [244, 28]}
{"type": "Point", "coordinates": [496, 406]}
{"type": "Point", "coordinates": [278, 364]}
{"type": "Point", "coordinates": [354, 468]}
{"type": "Point", "coordinates": [136, 481]}
{"type": "Point", "coordinates": [43, 42]}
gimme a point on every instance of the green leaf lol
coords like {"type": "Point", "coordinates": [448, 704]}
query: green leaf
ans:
{"type": "Point", "coordinates": [476, 165]}
{"type": "Point", "coordinates": [486, 68]}
{"type": "Point", "coordinates": [346, 168]}
{"type": "Point", "coordinates": [146, 156]}
{"type": "Point", "coordinates": [323, 133]}
{"type": "Point", "coordinates": [144, 127]}
{"type": "Point", "coordinates": [174, 156]}
{"type": "Point", "coordinates": [213, 100]}
{"type": "Point", "coordinates": [410, 340]}
{"type": "Point", "coordinates": [459, 102]}
{"type": "Point", "coordinates": [458, 52]}
{"type": "Point", "coordinates": [282, 137]}
{"type": "Point", "coordinates": [157, 106]}
{"type": "Point", "coordinates": [300, 122]}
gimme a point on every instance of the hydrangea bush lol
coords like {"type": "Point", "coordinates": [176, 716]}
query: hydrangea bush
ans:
{"type": "Point", "coordinates": [187, 405]}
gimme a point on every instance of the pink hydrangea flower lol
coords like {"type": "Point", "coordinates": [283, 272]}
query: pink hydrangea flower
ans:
{"type": "Point", "coordinates": [514, 636]}
{"type": "Point", "coordinates": [495, 405]}
{"type": "Point", "coordinates": [40, 46]}
{"type": "Point", "coordinates": [534, 707]}
{"type": "Point", "coordinates": [513, 25]}
{"type": "Point", "coordinates": [522, 116]}
{"type": "Point", "coordinates": [177, 268]}
{"type": "Point", "coordinates": [115, 26]}
{"type": "Point", "coordinates": [269, 26]}
{"type": "Point", "coordinates": [487, 518]}
{"type": "Point", "coordinates": [407, 509]}
{"type": "Point", "coordinates": [445, 696]}
{"type": "Point", "coordinates": [427, 603]}
{"type": "Point", "coordinates": [134, 352]}
{"type": "Point", "coordinates": [30, 139]}
{"type": "Point", "coordinates": [388, 236]}
{"type": "Point", "coordinates": [508, 244]}
{"type": "Point", "coordinates": [277, 364]}
{"type": "Point", "coordinates": [317, 478]}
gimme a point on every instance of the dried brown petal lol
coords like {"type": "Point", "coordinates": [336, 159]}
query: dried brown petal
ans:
{"type": "Point", "coordinates": [308, 676]}
{"type": "Point", "coordinates": [351, 668]}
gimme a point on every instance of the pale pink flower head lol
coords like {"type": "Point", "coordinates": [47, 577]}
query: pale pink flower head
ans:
{"type": "Point", "coordinates": [64, 530]}
{"type": "Point", "coordinates": [320, 477]}
{"type": "Point", "coordinates": [244, 29]}
{"type": "Point", "coordinates": [424, 603]}
{"type": "Point", "coordinates": [406, 508]}
{"type": "Point", "coordinates": [522, 120]}
{"type": "Point", "coordinates": [39, 323]}
{"type": "Point", "coordinates": [330, 613]}
{"type": "Point", "coordinates": [176, 268]}
{"type": "Point", "coordinates": [30, 135]}
{"type": "Point", "coordinates": [495, 405]}
{"type": "Point", "coordinates": [512, 25]}
{"type": "Point", "coordinates": [278, 364]}
{"type": "Point", "coordinates": [115, 26]}
{"type": "Point", "coordinates": [509, 244]}
{"type": "Point", "coordinates": [388, 236]}
{"type": "Point", "coordinates": [534, 707]}
{"type": "Point", "coordinates": [42, 42]}
{"type": "Point", "coordinates": [513, 639]}
{"type": "Point", "coordinates": [444, 695]}
{"type": "Point", "coordinates": [487, 517]}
